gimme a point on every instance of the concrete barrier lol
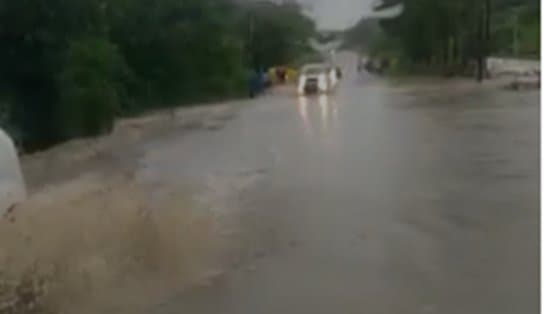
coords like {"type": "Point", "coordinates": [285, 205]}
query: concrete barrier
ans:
{"type": "Point", "coordinates": [12, 185]}
{"type": "Point", "coordinates": [510, 66]}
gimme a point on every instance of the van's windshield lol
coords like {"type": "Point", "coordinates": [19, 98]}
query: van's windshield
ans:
{"type": "Point", "coordinates": [314, 70]}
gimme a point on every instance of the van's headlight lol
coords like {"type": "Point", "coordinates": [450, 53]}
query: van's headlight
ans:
{"type": "Point", "coordinates": [322, 83]}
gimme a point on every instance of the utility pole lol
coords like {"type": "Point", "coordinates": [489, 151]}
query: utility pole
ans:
{"type": "Point", "coordinates": [251, 26]}
{"type": "Point", "coordinates": [515, 31]}
{"type": "Point", "coordinates": [250, 32]}
{"type": "Point", "coordinates": [484, 34]}
{"type": "Point", "coordinates": [480, 53]}
{"type": "Point", "coordinates": [488, 12]}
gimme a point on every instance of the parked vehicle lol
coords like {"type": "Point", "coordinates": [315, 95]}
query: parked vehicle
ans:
{"type": "Point", "coordinates": [317, 78]}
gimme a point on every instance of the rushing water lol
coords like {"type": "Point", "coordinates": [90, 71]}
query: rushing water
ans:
{"type": "Point", "coordinates": [407, 197]}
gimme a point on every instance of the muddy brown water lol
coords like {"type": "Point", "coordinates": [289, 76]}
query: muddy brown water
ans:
{"type": "Point", "coordinates": [402, 197]}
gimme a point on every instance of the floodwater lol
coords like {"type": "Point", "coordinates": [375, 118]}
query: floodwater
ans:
{"type": "Point", "coordinates": [387, 197]}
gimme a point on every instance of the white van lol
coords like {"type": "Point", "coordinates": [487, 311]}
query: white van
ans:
{"type": "Point", "coordinates": [317, 78]}
{"type": "Point", "coordinates": [12, 185]}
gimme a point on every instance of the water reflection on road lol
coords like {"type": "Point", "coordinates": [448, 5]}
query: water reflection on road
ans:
{"type": "Point", "coordinates": [318, 115]}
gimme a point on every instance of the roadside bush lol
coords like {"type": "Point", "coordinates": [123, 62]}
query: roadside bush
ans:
{"type": "Point", "coordinates": [90, 86]}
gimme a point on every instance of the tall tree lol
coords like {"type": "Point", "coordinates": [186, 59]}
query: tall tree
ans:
{"type": "Point", "coordinates": [454, 33]}
{"type": "Point", "coordinates": [69, 67]}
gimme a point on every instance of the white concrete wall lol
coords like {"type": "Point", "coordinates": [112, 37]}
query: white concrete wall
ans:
{"type": "Point", "coordinates": [509, 66]}
{"type": "Point", "coordinates": [12, 186]}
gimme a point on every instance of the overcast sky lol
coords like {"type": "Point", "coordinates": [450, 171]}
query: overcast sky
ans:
{"type": "Point", "coordinates": [338, 14]}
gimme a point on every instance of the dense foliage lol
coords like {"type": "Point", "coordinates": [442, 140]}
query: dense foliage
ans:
{"type": "Point", "coordinates": [447, 32]}
{"type": "Point", "coordinates": [70, 67]}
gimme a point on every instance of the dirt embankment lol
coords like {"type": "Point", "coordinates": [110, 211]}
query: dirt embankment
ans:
{"type": "Point", "coordinates": [91, 239]}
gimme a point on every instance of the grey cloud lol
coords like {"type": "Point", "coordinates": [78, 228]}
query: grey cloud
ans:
{"type": "Point", "coordinates": [338, 14]}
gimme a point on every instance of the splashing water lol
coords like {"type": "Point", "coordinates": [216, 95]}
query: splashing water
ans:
{"type": "Point", "coordinates": [97, 243]}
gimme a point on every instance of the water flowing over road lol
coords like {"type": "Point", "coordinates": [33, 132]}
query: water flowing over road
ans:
{"type": "Point", "coordinates": [387, 197]}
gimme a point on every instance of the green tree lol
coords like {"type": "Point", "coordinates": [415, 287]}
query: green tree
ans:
{"type": "Point", "coordinates": [69, 67]}
{"type": "Point", "coordinates": [90, 86]}
{"type": "Point", "coordinates": [447, 34]}
{"type": "Point", "coordinates": [276, 33]}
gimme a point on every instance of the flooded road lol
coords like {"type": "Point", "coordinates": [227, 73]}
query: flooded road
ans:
{"type": "Point", "coordinates": [383, 198]}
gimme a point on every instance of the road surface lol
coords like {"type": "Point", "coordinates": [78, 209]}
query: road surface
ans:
{"type": "Point", "coordinates": [388, 197]}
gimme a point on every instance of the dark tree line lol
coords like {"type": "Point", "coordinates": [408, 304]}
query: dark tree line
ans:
{"type": "Point", "coordinates": [68, 68]}
{"type": "Point", "coordinates": [452, 33]}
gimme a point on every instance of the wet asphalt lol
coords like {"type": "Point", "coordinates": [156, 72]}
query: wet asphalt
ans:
{"type": "Point", "coordinates": [408, 196]}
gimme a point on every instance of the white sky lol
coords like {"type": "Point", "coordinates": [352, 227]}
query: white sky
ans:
{"type": "Point", "coordinates": [338, 14]}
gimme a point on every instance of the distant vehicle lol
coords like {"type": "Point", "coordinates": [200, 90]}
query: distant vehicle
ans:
{"type": "Point", "coordinates": [317, 78]}
{"type": "Point", "coordinates": [282, 75]}
{"type": "Point", "coordinates": [361, 64]}
{"type": "Point", "coordinates": [12, 185]}
{"type": "Point", "coordinates": [377, 65]}
{"type": "Point", "coordinates": [258, 82]}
